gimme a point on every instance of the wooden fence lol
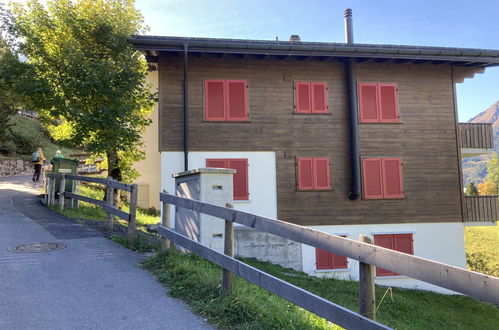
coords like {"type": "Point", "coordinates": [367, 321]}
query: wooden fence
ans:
{"type": "Point", "coordinates": [476, 135]}
{"type": "Point", "coordinates": [479, 286]}
{"type": "Point", "coordinates": [481, 208]}
{"type": "Point", "coordinates": [108, 205]}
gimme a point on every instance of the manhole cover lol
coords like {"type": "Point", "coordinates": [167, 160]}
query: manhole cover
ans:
{"type": "Point", "coordinates": [37, 247]}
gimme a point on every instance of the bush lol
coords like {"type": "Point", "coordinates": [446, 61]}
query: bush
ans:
{"type": "Point", "coordinates": [23, 137]}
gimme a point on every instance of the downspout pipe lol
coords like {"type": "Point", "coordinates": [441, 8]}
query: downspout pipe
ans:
{"type": "Point", "coordinates": [351, 82]}
{"type": "Point", "coordinates": [186, 110]}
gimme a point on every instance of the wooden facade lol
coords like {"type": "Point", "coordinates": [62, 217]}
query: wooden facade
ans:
{"type": "Point", "coordinates": [425, 139]}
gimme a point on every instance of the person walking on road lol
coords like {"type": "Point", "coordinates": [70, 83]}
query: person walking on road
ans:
{"type": "Point", "coordinates": [37, 158]}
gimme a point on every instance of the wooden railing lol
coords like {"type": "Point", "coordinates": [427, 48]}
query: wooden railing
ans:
{"type": "Point", "coordinates": [479, 286]}
{"type": "Point", "coordinates": [476, 135]}
{"type": "Point", "coordinates": [108, 205]}
{"type": "Point", "coordinates": [481, 208]}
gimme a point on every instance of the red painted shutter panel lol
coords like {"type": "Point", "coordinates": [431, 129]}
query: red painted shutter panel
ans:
{"type": "Point", "coordinates": [302, 93]}
{"type": "Point", "coordinates": [368, 103]}
{"type": "Point", "coordinates": [321, 174]}
{"type": "Point", "coordinates": [217, 163]}
{"type": "Point", "coordinates": [323, 259]}
{"type": "Point", "coordinates": [403, 243]}
{"type": "Point", "coordinates": [392, 178]}
{"type": "Point", "coordinates": [319, 97]}
{"type": "Point", "coordinates": [388, 103]}
{"type": "Point", "coordinates": [372, 178]}
{"type": "Point", "coordinates": [237, 100]}
{"type": "Point", "coordinates": [305, 174]}
{"type": "Point", "coordinates": [385, 241]}
{"type": "Point", "coordinates": [214, 101]}
{"type": "Point", "coordinates": [240, 178]}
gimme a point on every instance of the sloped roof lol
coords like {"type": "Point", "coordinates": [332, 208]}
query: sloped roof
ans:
{"type": "Point", "coordinates": [361, 52]}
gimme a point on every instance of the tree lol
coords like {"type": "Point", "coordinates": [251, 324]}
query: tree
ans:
{"type": "Point", "coordinates": [471, 189]}
{"type": "Point", "coordinates": [493, 173]}
{"type": "Point", "coordinates": [487, 188]}
{"type": "Point", "coordinates": [96, 80]}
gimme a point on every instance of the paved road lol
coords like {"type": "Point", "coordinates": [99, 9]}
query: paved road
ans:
{"type": "Point", "coordinates": [93, 283]}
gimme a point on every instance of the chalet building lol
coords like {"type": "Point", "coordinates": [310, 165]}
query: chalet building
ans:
{"type": "Point", "coordinates": [345, 138]}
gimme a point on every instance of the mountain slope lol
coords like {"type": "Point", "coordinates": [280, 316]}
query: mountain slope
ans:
{"type": "Point", "coordinates": [475, 168]}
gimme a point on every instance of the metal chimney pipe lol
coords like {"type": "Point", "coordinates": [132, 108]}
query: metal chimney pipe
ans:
{"type": "Point", "coordinates": [348, 26]}
{"type": "Point", "coordinates": [352, 102]}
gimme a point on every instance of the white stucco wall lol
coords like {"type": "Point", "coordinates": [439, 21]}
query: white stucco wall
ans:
{"type": "Point", "coordinates": [261, 177]}
{"type": "Point", "coordinates": [443, 242]}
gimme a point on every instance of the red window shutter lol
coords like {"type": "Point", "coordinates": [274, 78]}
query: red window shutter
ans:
{"type": "Point", "coordinates": [368, 103]}
{"type": "Point", "coordinates": [321, 174]}
{"type": "Point", "coordinates": [305, 174]}
{"type": "Point", "coordinates": [372, 178]}
{"type": "Point", "coordinates": [323, 259]}
{"type": "Point", "coordinates": [302, 93]}
{"type": "Point", "coordinates": [237, 100]}
{"type": "Point", "coordinates": [217, 163]}
{"type": "Point", "coordinates": [328, 260]}
{"type": "Point", "coordinates": [388, 103]}
{"type": "Point", "coordinates": [319, 97]}
{"type": "Point", "coordinates": [403, 243]}
{"type": "Point", "coordinates": [240, 178]}
{"type": "Point", "coordinates": [392, 178]}
{"type": "Point", "coordinates": [385, 241]}
{"type": "Point", "coordinates": [214, 100]}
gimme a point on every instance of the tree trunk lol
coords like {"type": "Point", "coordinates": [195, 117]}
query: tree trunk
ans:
{"type": "Point", "coordinates": [114, 171]}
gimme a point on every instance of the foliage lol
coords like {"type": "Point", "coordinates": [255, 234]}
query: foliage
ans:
{"type": "Point", "coordinates": [471, 189]}
{"type": "Point", "coordinates": [96, 80]}
{"type": "Point", "coordinates": [139, 244]}
{"type": "Point", "coordinates": [493, 172]}
{"type": "Point", "coordinates": [482, 249]}
{"type": "Point", "coordinates": [198, 282]}
{"type": "Point", "coordinates": [487, 188]}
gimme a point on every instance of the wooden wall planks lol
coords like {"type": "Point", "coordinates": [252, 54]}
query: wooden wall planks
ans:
{"type": "Point", "coordinates": [425, 139]}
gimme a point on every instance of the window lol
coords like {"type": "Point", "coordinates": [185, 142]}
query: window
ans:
{"type": "Point", "coordinates": [310, 97]}
{"type": "Point", "coordinates": [226, 100]}
{"type": "Point", "coordinates": [382, 178]}
{"type": "Point", "coordinates": [328, 260]}
{"type": "Point", "coordinates": [397, 242]}
{"type": "Point", "coordinates": [240, 177]}
{"type": "Point", "coordinates": [378, 103]}
{"type": "Point", "coordinates": [313, 174]}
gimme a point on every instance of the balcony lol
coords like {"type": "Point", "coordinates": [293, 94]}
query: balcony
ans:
{"type": "Point", "coordinates": [481, 210]}
{"type": "Point", "coordinates": [476, 139]}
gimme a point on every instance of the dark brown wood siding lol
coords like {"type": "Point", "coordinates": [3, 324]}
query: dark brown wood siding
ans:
{"type": "Point", "coordinates": [425, 138]}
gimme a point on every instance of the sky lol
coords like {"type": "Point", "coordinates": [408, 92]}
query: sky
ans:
{"type": "Point", "coordinates": [449, 23]}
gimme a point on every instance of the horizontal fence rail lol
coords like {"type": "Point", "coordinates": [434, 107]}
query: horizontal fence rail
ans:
{"type": "Point", "coordinates": [107, 205]}
{"type": "Point", "coordinates": [481, 208]}
{"type": "Point", "coordinates": [476, 135]}
{"type": "Point", "coordinates": [479, 286]}
{"type": "Point", "coordinates": [309, 301]}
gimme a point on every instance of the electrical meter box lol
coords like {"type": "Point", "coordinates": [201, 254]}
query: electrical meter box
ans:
{"type": "Point", "coordinates": [209, 185]}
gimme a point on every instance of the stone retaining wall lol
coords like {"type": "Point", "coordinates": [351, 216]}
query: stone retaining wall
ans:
{"type": "Point", "coordinates": [11, 167]}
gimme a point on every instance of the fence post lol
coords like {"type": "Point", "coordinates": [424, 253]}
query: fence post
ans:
{"type": "Point", "coordinates": [52, 190]}
{"type": "Point", "coordinates": [165, 222]}
{"type": "Point", "coordinates": [228, 250]}
{"type": "Point", "coordinates": [46, 196]}
{"type": "Point", "coordinates": [73, 191]}
{"type": "Point", "coordinates": [367, 297]}
{"type": "Point", "coordinates": [62, 189]}
{"type": "Point", "coordinates": [132, 222]}
{"type": "Point", "coordinates": [109, 202]}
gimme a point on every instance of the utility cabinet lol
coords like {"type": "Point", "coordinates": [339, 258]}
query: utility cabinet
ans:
{"type": "Point", "coordinates": [209, 185]}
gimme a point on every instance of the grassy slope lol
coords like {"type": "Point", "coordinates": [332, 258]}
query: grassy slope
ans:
{"type": "Point", "coordinates": [248, 307]}
{"type": "Point", "coordinates": [32, 128]}
{"type": "Point", "coordinates": [482, 248]}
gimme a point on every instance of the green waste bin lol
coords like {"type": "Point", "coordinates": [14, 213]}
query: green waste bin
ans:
{"type": "Point", "coordinates": [66, 166]}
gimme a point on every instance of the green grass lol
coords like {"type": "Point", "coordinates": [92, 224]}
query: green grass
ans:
{"type": "Point", "coordinates": [94, 212]}
{"type": "Point", "coordinates": [27, 135]}
{"type": "Point", "coordinates": [482, 249]}
{"type": "Point", "coordinates": [197, 281]}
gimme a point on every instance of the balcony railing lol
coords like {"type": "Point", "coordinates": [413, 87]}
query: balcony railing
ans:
{"type": "Point", "coordinates": [481, 209]}
{"type": "Point", "coordinates": [476, 135]}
